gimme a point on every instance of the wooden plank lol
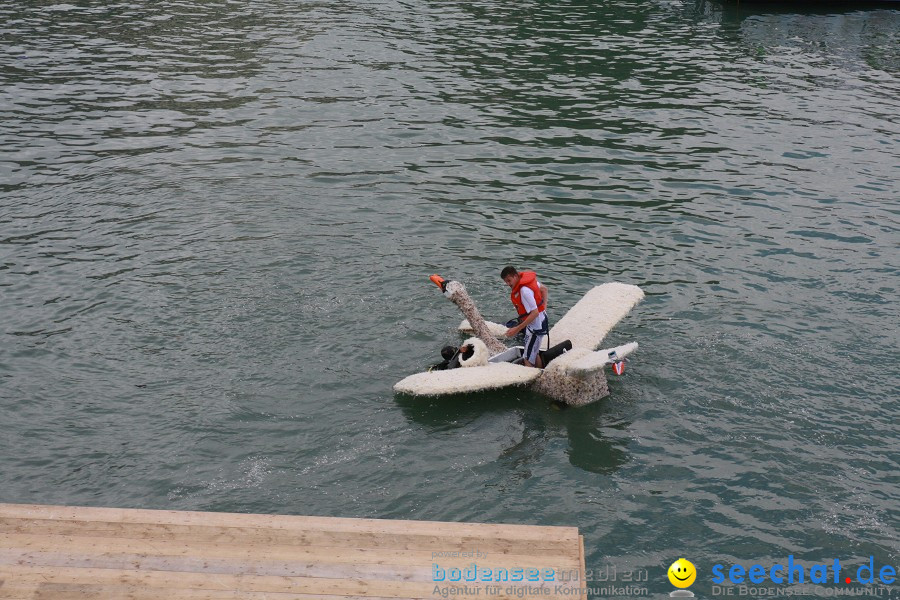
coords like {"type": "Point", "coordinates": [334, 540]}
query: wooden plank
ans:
{"type": "Point", "coordinates": [268, 536]}
{"type": "Point", "coordinates": [291, 523]}
{"type": "Point", "coordinates": [581, 579]}
{"type": "Point", "coordinates": [103, 578]}
{"type": "Point", "coordinates": [64, 557]}
{"type": "Point", "coordinates": [12, 589]}
{"type": "Point", "coordinates": [250, 552]}
{"type": "Point", "coordinates": [78, 591]}
{"type": "Point", "coordinates": [235, 566]}
{"type": "Point", "coordinates": [72, 553]}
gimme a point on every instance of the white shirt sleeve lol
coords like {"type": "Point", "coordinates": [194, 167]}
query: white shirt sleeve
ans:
{"type": "Point", "coordinates": [528, 301]}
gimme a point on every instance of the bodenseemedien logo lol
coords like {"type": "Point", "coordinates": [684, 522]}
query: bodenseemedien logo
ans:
{"type": "Point", "coordinates": [682, 574]}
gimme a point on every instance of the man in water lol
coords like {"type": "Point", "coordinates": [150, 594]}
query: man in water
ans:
{"type": "Point", "coordinates": [452, 355]}
{"type": "Point", "coordinates": [529, 296]}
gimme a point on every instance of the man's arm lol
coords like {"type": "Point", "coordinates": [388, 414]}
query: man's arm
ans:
{"type": "Point", "coordinates": [545, 294]}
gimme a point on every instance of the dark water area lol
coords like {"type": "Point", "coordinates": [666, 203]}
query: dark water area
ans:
{"type": "Point", "coordinates": [217, 221]}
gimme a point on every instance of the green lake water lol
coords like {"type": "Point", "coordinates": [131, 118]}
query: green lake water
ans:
{"type": "Point", "coordinates": [217, 220]}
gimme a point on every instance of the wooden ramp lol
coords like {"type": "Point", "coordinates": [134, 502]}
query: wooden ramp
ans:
{"type": "Point", "coordinates": [68, 553]}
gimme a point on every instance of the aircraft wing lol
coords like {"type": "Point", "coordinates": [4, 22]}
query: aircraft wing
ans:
{"type": "Point", "coordinates": [594, 361]}
{"type": "Point", "coordinates": [588, 322]}
{"type": "Point", "coordinates": [466, 379]}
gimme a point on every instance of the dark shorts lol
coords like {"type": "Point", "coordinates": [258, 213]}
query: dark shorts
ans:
{"type": "Point", "coordinates": [533, 341]}
{"type": "Point", "coordinates": [532, 345]}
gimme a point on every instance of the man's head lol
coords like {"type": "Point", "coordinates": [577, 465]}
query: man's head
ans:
{"type": "Point", "coordinates": [510, 276]}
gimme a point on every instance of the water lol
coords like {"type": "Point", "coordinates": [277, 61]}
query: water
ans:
{"type": "Point", "coordinates": [217, 221]}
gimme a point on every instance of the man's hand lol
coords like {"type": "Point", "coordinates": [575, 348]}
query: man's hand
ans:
{"type": "Point", "coordinates": [513, 331]}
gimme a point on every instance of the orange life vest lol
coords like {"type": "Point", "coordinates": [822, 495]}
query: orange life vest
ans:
{"type": "Point", "coordinates": [527, 279]}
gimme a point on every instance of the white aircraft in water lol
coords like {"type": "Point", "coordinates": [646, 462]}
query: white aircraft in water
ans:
{"type": "Point", "coordinates": [574, 369]}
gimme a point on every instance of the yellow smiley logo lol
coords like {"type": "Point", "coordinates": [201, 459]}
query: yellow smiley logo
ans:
{"type": "Point", "coordinates": [682, 573]}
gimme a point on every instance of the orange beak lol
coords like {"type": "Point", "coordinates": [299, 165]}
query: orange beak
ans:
{"type": "Point", "coordinates": [438, 281]}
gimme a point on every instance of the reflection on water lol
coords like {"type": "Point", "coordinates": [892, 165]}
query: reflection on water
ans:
{"type": "Point", "coordinates": [541, 420]}
{"type": "Point", "coordinates": [839, 34]}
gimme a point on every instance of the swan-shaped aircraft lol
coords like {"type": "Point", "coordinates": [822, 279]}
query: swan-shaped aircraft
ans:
{"type": "Point", "coordinates": [574, 373]}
